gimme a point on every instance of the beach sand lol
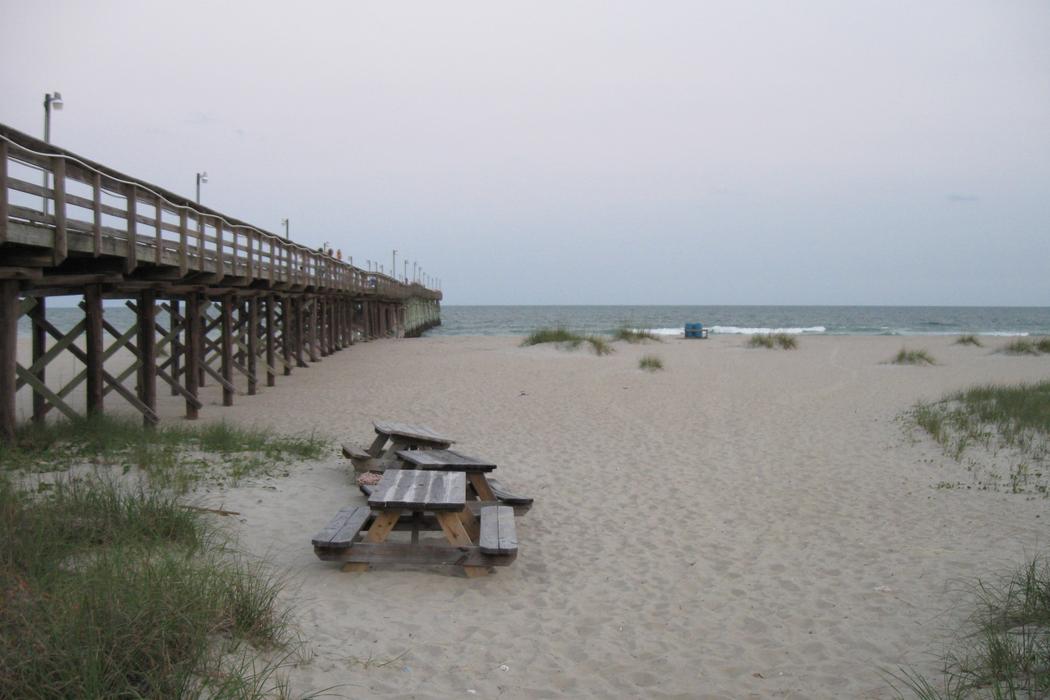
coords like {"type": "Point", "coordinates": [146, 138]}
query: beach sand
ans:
{"type": "Point", "coordinates": [743, 523]}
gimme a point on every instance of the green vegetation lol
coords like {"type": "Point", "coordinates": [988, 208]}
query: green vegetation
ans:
{"type": "Point", "coordinates": [913, 357]}
{"type": "Point", "coordinates": [1005, 650]}
{"type": "Point", "coordinates": [631, 335]}
{"type": "Point", "coordinates": [1013, 418]}
{"type": "Point", "coordinates": [1027, 346]}
{"type": "Point", "coordinates": [650, 363]}
{"type": "Point", "coordinates": [784, 341]}
{"type": "Point", "coordinates": [109, 592]}
{"type": "Point", "coordinates": [551, 335]}
{"type": "Point", "coordinates": [969, 339]}
{"type": "Point", "coordinates": [172, 456]}
{"type": "Point", "coordinates": [567, 338]}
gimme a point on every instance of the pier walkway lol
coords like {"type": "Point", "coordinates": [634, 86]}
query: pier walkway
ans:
{"type": "Point", "coordinates": [213, 296]}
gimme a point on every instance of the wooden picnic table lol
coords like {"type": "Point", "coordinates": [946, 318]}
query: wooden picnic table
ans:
{"type": "Point", "coordinates": [475, 543]}
{"type": "Point", "coordinates": [478, 471]}
{"type": "Point", "coordinates": [401, 436]}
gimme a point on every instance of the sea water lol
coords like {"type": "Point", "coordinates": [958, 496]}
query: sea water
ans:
{"type": "Point", "coordinates": [720, 320]}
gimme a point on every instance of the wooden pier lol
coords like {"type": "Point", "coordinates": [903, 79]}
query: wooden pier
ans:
{"type": "Point", "coordinates": [240, 306]}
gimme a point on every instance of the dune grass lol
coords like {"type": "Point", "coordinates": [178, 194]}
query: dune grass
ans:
{"type": "Point", "coordinates": [634, 335]}
{"type": "Point", "coordinates": [171, 456]}
{"type": "Point", "coordinates": [108, 592]}
{"type": "Point", "coordinates": [1004, 650]}
{"type": "Point", "coordinates": [996, 418]}
{"type": "Point", "coordinates": [784, 341]}
{"type": "Point", "coordinates": [569, 339]}
{"type": "Point", "coordinates": [1027, 346]}
{"type": "Point", "coordinates": [913, 357]}
{"type": "Point", "coordinates": [651, 363]}
{"type": "Point", "coordinates": [969, 339]}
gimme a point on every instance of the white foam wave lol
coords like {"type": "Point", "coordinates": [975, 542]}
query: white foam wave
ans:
{"type": "Point", "coordinates": [738, 330]}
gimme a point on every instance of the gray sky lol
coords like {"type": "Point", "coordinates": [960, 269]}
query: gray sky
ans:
{"type": "Point", "coordinates": [585, 152]}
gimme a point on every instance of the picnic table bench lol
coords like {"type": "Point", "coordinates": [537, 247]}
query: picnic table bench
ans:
{"type": "Point", "coordinates": [402, 436]}
{"type": "Point", "coordinates": [474, 542]}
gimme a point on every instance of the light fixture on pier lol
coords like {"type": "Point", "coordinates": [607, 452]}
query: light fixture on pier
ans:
{"type": "Point", "coordinates": [287, 233]}
{"type": "Point", "coordinates": [201, 177]}
{"type": "Point", "coordinates": [52, 100]}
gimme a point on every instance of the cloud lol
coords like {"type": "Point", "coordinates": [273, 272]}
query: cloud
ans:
{"type": "Point", "coordinates": [963, 198]}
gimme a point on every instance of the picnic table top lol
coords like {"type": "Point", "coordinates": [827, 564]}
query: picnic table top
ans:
{"type": "Point", "coordinates": [445, 459]}
{"type": "Point", "coordinates": [416, 489]}
{"type": "Point", "coordinates": [408, 430]}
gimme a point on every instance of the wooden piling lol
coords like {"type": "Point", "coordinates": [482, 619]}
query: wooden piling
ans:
{"type": "Point", "coordinates": [37, 317]}
{"type": "Point", "coordinates": [193, 351]}
{"type": "Point", "coordinates": [9, 312]}
{"type": "Point", "coordinates": [93, 348]}
{"type": "Point", "coordinates": [226, 343]}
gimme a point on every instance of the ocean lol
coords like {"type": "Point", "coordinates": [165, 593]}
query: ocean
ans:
{"type": "Point", "coordinates": [668, 320]}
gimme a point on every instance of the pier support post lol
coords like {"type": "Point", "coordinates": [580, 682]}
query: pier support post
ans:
{"type": "Point", "coordinates": [253, 345]}
{"type": "Point", "coordinates": [177, 348]}
{"type": "Point", "coordinates": [271, 329]}
{"type": "Point", "coordinates": [314, 316]}
{"type": "Point", "coordinates": [226, 343]}
{"type": "Point", "coordinates": [37, 316]}
{"type": "Point", "coordinates": [147, 342]}
{"type": "Point", "coordinates": [93, 350]}
{"type": "Point", "coordinates": [300, 336]}
{"type": "Point", "coordinates": [287, 313]}
{"type": "Point", "coordinates": [193, 345]}
{"type": "Point", "coordinates": [9, 311]}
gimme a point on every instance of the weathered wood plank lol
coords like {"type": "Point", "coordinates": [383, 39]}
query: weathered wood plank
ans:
{"type": "Point", "coordinates": [445, 459]}
{"type": "Point", "coordinates": [506, 496]}
{"type": "Point", "coordinates": [425, 554]}
{"type": "Point", "coordinates": [420, 490]}
{"type": "Point", "coordinates": [61, 247]}
{"type": "Point", "coordinates": [343, 528]}
{"type": "Point", "coordinates": [498, 533]}
{"type": "Point", "coordinates": [93, 347]}
{"type": "Point", "coordinates": [4, 196]}
{"type": "Point", "coordinates": [414, 432]}
{"type": "Point", "coordinates": [227, 350]}
{"type": "Point", "coordinates": [9, 313]}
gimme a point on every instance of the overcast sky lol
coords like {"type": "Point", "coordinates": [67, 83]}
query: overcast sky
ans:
{"type": "Point", "coordinates": [585, 152]}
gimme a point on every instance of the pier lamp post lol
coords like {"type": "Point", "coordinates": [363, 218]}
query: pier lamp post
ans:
{"type": "Point", "coordinates": [406, 272]}
{"type": "Point", "coordinates": [52, 100]}
{"type": "Point", "coordinates": [201, 177]}
{"type": "Point", "coordinates": [393, 264]}
{"type": "Point", "coordinates": [287, 234]}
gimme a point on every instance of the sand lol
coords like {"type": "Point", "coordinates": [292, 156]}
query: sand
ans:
{"type": "Point", "coordinates": [744, 523]}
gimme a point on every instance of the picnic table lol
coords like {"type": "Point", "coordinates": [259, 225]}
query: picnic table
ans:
{"type": "Point", "coordinates": [401, 436]}
{"type": "Point", "coordinates": [402, 498]}
{"type": "Point", "coordinates": [478, 472]}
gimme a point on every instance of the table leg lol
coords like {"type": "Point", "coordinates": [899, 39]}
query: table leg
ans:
{"type": "Point", "coordinates": [481, 486]}
{"type": "Point", "coordinates": [457, 535]}
{"type": "Point", "coordinates": [379, 531]}
{"type": "Point", "coordinates": [470, 524]}
{"type": "Point", "coordinates": [376, 448]}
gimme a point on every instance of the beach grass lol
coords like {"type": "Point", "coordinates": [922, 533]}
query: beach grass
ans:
{"type": "Point", "coordinates": [969, 339]}
{"type": "Point", "coordinates": [784, 341]}
{"type": "Point", "coordinates": [566, 338]}
{"type": "Point", "coordinates": [651, 363]}
{"type": "Point", "coordinates": [996, 418]}
{"type": "Point", "coordinates": [113, 592]}
{"type": "Point", "coordinates": [172, 456]}
{"type": "Point", "coordinates": [1027, 346]}
{"type": "Point", "coordinates": [913, 357]}
{"type": "Point", "coordinates": [1004, 649]}
{"type": "Point", "coordinates": [635, 335]}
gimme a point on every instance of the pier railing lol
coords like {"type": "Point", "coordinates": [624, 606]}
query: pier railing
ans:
{"type": "Point", "coordinates": [54, 199]}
